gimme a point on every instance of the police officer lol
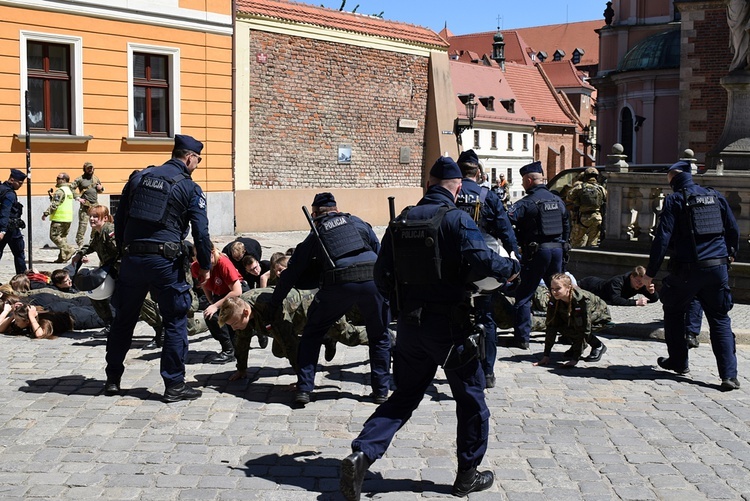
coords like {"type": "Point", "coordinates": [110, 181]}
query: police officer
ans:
{"type": "Point", "coordinates": [587, 197]}
{"type": "Point", "coordinates": [542, 228]}
{"type": "Point", "coordinates": [488, 212]}
{"type": "Point", "coordinates": [10, 219]}
{"type": "Point", "coordinates": [348, 248]}
{"type": "Point", "coordinates": [60, 213]}
{"type": "Point", "coordinates": [156, 207]}
{"type": "Point", "coordinates": [433, 327]}
{"type": "Point", "coordinates": [699, 227]}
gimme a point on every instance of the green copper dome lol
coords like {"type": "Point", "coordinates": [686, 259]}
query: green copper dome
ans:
{"type": "Point", "coordinates": [658, 51]}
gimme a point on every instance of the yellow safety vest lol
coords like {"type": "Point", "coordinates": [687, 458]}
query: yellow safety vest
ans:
{"type": "Point", "coordinates": [64, 211]}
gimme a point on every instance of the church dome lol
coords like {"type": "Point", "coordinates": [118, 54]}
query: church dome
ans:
{"type": "Point", "coordinates": [656, 52]}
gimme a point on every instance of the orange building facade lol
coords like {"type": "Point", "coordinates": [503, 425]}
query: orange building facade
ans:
{"type": "Point", "coordinates": [111, 84]}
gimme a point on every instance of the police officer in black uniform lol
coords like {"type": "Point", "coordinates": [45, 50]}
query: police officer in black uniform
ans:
{"type": "Point", "coordinates": [698, 226]}
{"type": "Point", "coordinates": [11, 223]}
{"type": "Point", "coordinates": [156, 207]}
{"type": "Point", "coordinates": [488, 212]}
{"type": "Point", "coordinates": [543, 229]}
{"type": "Point", "coordinates": [432, 285]}
{"type": "Point", "coordinates": [347, 247]}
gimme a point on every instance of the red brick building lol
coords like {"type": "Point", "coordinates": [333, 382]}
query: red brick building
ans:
{"type": "Point", "coordinates": [333, 101]}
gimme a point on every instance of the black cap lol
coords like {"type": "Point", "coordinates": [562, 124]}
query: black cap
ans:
{"type": "Point", "coordinates": [182, 142]}
{"type": "Point", "coordinates": [445, 168]}
{"type": "Point", "coordinates": [324, 199]}
{"type": "Point", "coordinates": [681, 166]}
{"type": "Point", "coordinates": [531, 168]}
{"type": "Point", "coordinates": [468, 157]}
{"type": "Point", "coordinates": [17, 175]}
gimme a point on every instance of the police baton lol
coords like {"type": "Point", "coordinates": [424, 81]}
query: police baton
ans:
{"type": "Point", "coordinates": [392, 207]}
{"type": "Point", "coordinates": [317, 236]}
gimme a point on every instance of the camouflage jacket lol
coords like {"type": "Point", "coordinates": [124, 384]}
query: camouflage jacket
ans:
{"type": "Point", "coordinates": [577, 319]}
{"type": "Point", "coordinates": [103, 243]}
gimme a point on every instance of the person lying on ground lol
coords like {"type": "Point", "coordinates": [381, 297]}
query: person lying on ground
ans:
{"type": "Point", "coordinates": [620, 290]}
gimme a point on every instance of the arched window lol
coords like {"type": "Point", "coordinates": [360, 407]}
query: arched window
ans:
{"type": "Point", "coordinates": [536, 152]}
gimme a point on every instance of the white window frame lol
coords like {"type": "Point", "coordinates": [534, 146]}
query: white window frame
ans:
{"type": "Point", "coordinates": [76, 77]}
{"type": "Point", "coordinates": [175, 112]}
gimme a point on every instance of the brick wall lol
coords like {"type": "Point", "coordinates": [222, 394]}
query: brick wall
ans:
{"type": "Point", "coordinates": [705, 59]}
{"type": "Point", "coordinates": [310, 96]}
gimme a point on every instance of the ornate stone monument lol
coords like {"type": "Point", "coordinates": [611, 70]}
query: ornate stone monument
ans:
{"type": "Point", "coordinates": [733, 147]}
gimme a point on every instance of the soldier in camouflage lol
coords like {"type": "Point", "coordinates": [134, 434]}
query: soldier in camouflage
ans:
{"type": "Point", "coordinates": [574, 313]}
{"type": "Point", "coordinates": [588, 198]}
{"type": "Point", "coordinates": [89, 187]}
{"type": "Point", "coordinates": [248, 316]}
{"type": "Point", "coordinates": [103, 244]}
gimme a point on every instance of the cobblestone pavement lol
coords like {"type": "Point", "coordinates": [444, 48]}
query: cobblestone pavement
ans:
{"type": "Point", "coordinates": [618, 429]}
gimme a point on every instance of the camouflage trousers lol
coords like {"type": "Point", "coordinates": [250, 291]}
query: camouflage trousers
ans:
{"type": "Point", "coordinates": [58, 233]}
{"type": "Point", "coordinates": [83, 224]}
{"type": "Point", "coordinates": [587, 232]}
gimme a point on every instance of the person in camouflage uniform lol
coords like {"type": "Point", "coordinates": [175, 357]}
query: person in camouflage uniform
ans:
{"type": "Point", "coordinates": [89, 187]}
{"type": "Point", "coordinates": [248, 316]}
{"type": "Point", "coordinates": [573, 313]}
{"type": "Point", "coordinates": [103, 243]}
{"type": "Point", "coordinates": [588, 198]}
{"type": "Point", "coordinates": [60, 212]}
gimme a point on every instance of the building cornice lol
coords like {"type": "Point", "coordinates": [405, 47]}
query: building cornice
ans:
{"type": "Point", "coordinates": [165, 13]}
{"type": "Point", "coordinates": [326, 34]}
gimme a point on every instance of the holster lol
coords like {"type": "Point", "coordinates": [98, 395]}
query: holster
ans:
{"type": "Point", "coordinates": [472, 347]}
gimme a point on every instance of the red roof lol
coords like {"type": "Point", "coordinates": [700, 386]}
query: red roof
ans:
{"type": "Point", "coordinates": [535, 95]}
{"type": "Point", "coordinates": [485, 81]}
{"type": "Point", "coordinates": [564, 75]}
{"type": "Point", "coordinates": [481, 43]}
{"type": "Point", "coordinates": [340, 20]}
{"type": "Point", "coordinates": [568, 37]}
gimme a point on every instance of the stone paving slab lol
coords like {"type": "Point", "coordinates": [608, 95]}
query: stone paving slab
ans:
{"type": "Point", "coordinates": [618, 429]}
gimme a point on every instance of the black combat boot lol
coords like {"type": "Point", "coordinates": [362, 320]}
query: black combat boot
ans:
{"type": "Point", "coordinates": [471, 480]}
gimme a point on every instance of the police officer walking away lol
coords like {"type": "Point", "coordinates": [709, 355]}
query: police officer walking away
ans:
{"type": "Point", "coordinates": [488, 212]}
{"type": "Point", "coordinates": [156, 207]}
{"type": "Point", "coordinates": [430, 283]}
{"type": "Point", "coordinates": [348, 248]}
{"type": "Point", "coordinates": [699, 227]}
{"type": "Point", "coordinates": [542, 228]}
{"type": "Point", "coordinates": [11, 223]}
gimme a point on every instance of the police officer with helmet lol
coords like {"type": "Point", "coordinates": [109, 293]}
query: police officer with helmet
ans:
{"type": "Point", "coordinates": [428, 255]}
{"type": "Point", "coordinates": [11, 223]}
{"type": "Point", "coordinates": [347, 247]}
{"type": "Point", "coordinates": [488, 212]}
{"type": "Point", "coordinates": [698, 226]}
{"type": "Point", "coordinates": [543, 228]}
{"type": "Point", "coordinates": [156, 208]}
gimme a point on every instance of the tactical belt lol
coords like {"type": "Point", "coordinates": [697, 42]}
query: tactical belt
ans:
{"type": "Point", "coordinates": [169, 250]}
{"type": "Point", "coordinates": [706, 263]}
{"type": "Point", "coordinates": [551, 245]}
{"type": "Point", "coordinates": [360, 272]}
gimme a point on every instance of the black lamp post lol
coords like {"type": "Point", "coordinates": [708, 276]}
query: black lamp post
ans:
{"type": "Point", "coordinates": [471, 114]}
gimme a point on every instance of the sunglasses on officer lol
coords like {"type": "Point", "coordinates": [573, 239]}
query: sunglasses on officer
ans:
{"type": "Point", "coordinates": [200, 159]}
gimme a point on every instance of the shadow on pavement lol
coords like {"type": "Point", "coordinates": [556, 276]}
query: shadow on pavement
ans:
{"type": "Point", "coordinates": [79, 385]}
{"type": "Point", "coordinates": [311, 472]}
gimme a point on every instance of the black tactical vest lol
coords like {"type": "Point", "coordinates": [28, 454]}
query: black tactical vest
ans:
{"type": "Point", "coordinates": [151, 200]}
{"type": "Point", "coordinates": [550, 219]}
{"type": "Point", "coordinates": [705, 213]}
{"type": "Point", "coordinates": [340, 236]}
{"type": "Point", "coordinates": [415, 247]}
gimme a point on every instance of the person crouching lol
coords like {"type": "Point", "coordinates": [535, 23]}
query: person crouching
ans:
{"type": "Point", "coordinates": [573, 312]}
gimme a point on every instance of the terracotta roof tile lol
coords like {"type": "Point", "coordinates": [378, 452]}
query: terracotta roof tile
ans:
{"type": "Point", "coordinates": [485, 81]}
{"type": "Point", "coordinates": [563, 74]}
{"type": "Point", "coordinates": [340, 20]}
{"type": "Point", "coordinates": [534, 94]}
{"type": "Point", "coordinates": [566, 37]}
